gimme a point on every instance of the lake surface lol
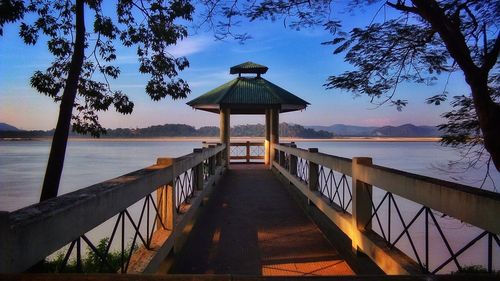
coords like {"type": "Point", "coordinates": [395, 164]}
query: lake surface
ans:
{"type": "Point", "coordinates": [23, 163]}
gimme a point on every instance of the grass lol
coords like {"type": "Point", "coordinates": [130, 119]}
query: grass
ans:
{"type": "Point", "coordinates": [90, 263]}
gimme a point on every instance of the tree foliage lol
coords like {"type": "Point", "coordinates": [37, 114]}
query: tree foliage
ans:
{"type": "Point", "coordinates": [417, 41]}
{"type": "Point", "coordinates": [80, 73]}
{"type": "Point", "coordinates": [425, 39]}
{"type": "Point", "coordinates": [149, 26]}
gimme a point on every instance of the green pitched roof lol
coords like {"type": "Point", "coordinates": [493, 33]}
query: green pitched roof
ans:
{"type": "Point", "coordinates": [248, 67]}
{"type": "Point", "coordinates": [248, 95]}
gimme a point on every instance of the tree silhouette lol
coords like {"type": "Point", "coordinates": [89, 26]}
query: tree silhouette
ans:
{"type": "Point", "coordinates": [79, 76]}
{"type": "Point", "coordinates": [416, 43]}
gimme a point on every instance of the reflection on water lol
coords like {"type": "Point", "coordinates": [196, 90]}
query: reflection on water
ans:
{"type": "Point", "coordinates": [23, 163]}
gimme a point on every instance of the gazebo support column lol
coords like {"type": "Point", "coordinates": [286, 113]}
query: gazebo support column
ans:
{"type": "Point", "coordinates": [225, 126]}
{"type": "Point", "coordinates": [275, 139]}
{"type": "Point", "coordinates": [267, 141]}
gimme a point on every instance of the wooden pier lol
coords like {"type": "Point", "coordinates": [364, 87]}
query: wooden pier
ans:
{"type": "Point", "coordinates": [299, 214]}
{"type": "Point", "coordinates": [252, 226]}
{"type": "Point", "coordinates": [310, 214]}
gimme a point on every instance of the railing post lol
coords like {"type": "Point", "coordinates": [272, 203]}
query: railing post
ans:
{"type": "Point", "coordinates": [218, 158]}
{"type": "Point", "coordinates": [267, 140]}
{"type": "Point", "coordinates": [292, 161]}
{"type": "Point", "coordinates": [198, 172]}
{"type": "Point", "coordinates": [211, 162]}
{"type": "Point", "coordinates": [165, 196]}
{"type": "Point", "coordinates": [361, 198]}
{"type": "Point", "coordinates": [247, 155]}
{"type": "Point", "coordinates": [313, 172]}
{"type": "Point", "coordinates": [282, 158]}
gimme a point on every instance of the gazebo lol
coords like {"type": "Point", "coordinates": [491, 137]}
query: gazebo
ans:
{"type": "Point", "coordinates": [249, 95]}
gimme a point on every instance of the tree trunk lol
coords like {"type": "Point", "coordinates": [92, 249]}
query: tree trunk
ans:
{"type": "Point", "coordinates": [58, 149]}
{"type": "Point", "coordinates": [488, 113]}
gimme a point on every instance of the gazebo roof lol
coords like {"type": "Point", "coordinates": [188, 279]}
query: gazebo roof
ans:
{"type": "Point", "coordinates": [248, 67]}
{"type": "Point", "coordinates": [248, 95]}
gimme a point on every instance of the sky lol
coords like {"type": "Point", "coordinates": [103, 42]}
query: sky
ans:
{"type": "Point", "coordinates": [296, 59]}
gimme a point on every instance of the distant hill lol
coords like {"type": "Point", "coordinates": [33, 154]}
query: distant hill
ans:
{"type": "Point", "coordinates": [345, 130]}
{"type": "Point", "coordinates": [406, 130]}
{"type": "Point", "coordinates": [254, 130]}
{"type": "Point", "coordinates": [183, 130]}
{"type": "Point", "coordinates": [7, 127]}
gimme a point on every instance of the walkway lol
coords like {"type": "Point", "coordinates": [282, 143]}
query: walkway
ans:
{"type": "Point", "coordinates": [252, 226]}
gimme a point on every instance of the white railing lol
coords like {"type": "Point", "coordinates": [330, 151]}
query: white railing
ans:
{"type": "Point", "coordinates": [155, 203]}
{"type": "Point", "coordinates": [396, 217]}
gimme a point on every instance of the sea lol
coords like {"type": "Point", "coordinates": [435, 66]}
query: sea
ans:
{"type": "Point", "coordinates": [23, 163]}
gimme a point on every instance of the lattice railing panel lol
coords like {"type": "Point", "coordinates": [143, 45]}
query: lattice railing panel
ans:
{"type": "Point", "coordinates": [336, 187]}
{"type": "Point", "coordinates": [238, 151]}
{"type": "Point", "coordinates": [303, 169]}
{"type": "Point", "coordinates": [184, 188]}
{"type": "Point", "coordinates": [438, 243]}
{"type": "Point", "coordinates": [122, 234]}
{"type": "Point", "coordinates": [257, 150]}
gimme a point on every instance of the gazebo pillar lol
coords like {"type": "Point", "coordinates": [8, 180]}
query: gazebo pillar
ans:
{"type": "Point", "coordinates": [275, 139]}
{"type": "Point", "coordinates": [267, 141]}
{"type": "Point", "coordinates": [225, 126]}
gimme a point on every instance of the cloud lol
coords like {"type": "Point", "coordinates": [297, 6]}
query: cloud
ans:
{"type": "Point", "coordinates": [189, 46]}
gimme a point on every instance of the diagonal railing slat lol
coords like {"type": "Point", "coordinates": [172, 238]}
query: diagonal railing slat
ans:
{"type": "Point", "coordinates": [32, 233]}
{"type": "Point", "coordinates": [375, 221]}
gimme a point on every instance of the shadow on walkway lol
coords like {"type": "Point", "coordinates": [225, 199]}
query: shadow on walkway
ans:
{"type": "Point", "coordinates": [252, 226]}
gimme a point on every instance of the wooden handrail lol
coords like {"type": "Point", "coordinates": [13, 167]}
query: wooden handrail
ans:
{"type": "Point", "coordinates": [30, 234]}
{"type": "Point", "coordinates": [471, 205]}
{"type": "Point", "coordinates": [247, 157]}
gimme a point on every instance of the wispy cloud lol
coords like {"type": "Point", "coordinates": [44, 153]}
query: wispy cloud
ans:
{"type": "Point", "coordinates": [186, 47]}
{"type": "Point", "coordinates": [190, 45]}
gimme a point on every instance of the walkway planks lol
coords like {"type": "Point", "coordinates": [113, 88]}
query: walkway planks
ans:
{"type": "Point", "coordinates": [252, 226]}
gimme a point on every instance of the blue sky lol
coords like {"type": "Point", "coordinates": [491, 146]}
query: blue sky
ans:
{"type": "Point", "coordinates": [296, 59]}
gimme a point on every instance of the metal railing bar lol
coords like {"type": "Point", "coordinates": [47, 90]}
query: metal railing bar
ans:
{"type": "Point", "coordinates": [459, 252]}
{"type": "Point", "coordinates": [375, 213]}
{"type": "Point", "coordinates": [96, 251]}
{"type": "Point", "coordinates": [66, 257]}
{"type": "Point", "coordinates": [108, 247]}
{"type": "Point", "coordinates": [122, 253]}
{"type": "Point", "coordinates": [438, 227]}
{"type": "Point", "coordinates": [408, 226]}
{"type": "Point", "coordinates": [136, 228]}
{"type": "Point", "coordinates": [407, 232]}
{"type": "Point", "coordinates": [157, 214]}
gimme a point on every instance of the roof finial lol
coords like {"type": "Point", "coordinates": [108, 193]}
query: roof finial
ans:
{"type": "Point", "coordinates": [248, 67]}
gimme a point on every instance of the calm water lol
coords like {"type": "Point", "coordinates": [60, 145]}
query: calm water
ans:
{"type": "Point", "coordinates": [22, 165]}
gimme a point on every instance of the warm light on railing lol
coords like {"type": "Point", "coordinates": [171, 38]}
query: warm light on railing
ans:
{"type": "Point", "coordinates": [356, 209]}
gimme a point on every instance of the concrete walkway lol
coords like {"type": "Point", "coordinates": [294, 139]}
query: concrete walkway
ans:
{"type": "Point", "coordinates": [251, 225]}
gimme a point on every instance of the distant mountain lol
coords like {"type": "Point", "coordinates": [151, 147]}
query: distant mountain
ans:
{"type": "Point", "coordinates": [182, 130]}
{"type": "Point", "coordinates": [7, 127]}
{"type": "Point", "coordinates": [345, 130]}
{"type": "Point", "coordinates": [406, 130]}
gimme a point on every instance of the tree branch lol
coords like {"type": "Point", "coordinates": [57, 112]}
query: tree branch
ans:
{"type": "Point", "coordinates": [401, 7]}
{"type": "Point", "coordinates": [491, 57]}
